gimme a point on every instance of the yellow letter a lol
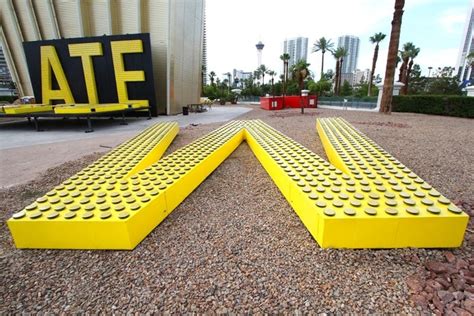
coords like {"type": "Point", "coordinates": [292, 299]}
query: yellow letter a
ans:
{"type": "Point", "coordinates": [50, 61]}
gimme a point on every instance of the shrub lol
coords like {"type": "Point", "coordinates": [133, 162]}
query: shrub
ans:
{"type": "Point", "coordinates": [459, 106]}
{"type": "Point", "coordinates": [8, 98]}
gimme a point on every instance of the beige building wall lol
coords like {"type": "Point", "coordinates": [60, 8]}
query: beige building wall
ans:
{"type": "Point", "coordinates": [175, 28]}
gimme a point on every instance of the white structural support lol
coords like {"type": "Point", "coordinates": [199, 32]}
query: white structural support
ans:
{"type": "Point", "coordinates": [397, 86]}
{"type": "Point", "coordinates": [470, 91]}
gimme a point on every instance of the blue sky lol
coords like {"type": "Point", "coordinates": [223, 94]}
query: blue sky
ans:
{"type": "Point", "coordinates": [234, 27]}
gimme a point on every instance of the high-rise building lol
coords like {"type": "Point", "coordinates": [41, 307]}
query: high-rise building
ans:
{"type": "Point", "coordinates": [361, 76]}
{"type": "Point", "coordinates": [175, 27]}
{"type": "Point", "coordinates": [259, 47]}
{"type": "Point", "coordinates": [4, 72]}
{"type": "Point", "coordinates": [297, 48]}
{"type": "Point", "coordinates": [349, 65]}
{"type": "Point", "coordinates": [467, 45]}
{"type": "Point", "coordinates": [241, 76]}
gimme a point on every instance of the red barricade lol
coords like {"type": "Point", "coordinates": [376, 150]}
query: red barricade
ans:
{"type": "Point", "coordinates": [292, 101]}
{"type": "Point", "coordinates": [271, 103]}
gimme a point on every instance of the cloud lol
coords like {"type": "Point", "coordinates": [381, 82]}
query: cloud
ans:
{"type": "Point", "coordinates": [452, 19]}
{"type": "Point", "coordinates": [234, 27]}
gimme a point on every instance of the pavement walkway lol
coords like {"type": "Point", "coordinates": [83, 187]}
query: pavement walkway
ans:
{"type": "Point", "coordinates": [25, 153]}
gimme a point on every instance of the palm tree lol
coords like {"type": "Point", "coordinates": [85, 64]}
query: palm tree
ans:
{"type": "Point", "coordinates": [386, 102]}
{"type": "Point", "coordinates": [376, 39]}
{"type": "Point", "coordinates": [405, 58]}
{"type": "Point", "coordinates": [336, 77]}
{"type": "Point", "coordinates": [257, 74]}
{"type": "Point", "coordinates": [229, 75]}
{"type": "Point", "coordinates": [212, 75]}
{"type": "Point", "coordinates": [285, 58]}
{"type": "Point", "coordinates": [414, 51]}
{"type": "Point", "coordinates": [300, 72]}
{"type": "Point", "coordinates": [203, 78]}
{"type": "Point", "coordinates": [322, 45]}
{"type": "Point", "coordinates": [263, 69]}
{"type": "Point", "coordinates": [339, 54]}
{"type": "Point", "coordinates": [225, 83]}
{"type": "Point", "coordinates": [271, 73]}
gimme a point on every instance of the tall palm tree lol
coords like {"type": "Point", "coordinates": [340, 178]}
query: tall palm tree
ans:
{"type": "Point", "coordinates": [412, 54]}
{"type": "Point", "coordinates": [376, 39]}
{"type": "Point", "coordinates": [285, 58]}
{"type": "Point", "coordinates": [272, 74]}
{"type": "Point", "coordinates": [263, 69]}
{"type": "Point", "coordinates": [339, 54]}
{"type": "Point", "coordinates": [300, 72]}
{"type": "Point", "coordinates": [386, 102]}
{"type": "Point", "coordinates": [212, 75]}
{"type": "Point", "coordinates": [336, 76]}
{"type": "Point", "coordinates": [343, 54]}
{"type": "Point", "coordinates": [322, 45]}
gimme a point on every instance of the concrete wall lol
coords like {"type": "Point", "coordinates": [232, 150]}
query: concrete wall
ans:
{"type": "Point", "coordinates": [175, 28]}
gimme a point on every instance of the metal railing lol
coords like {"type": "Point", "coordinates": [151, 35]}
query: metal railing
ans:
{"type": "Point", "coordinates": [350, 102]}
{"type": "Point", "coordinates": [249, 98]}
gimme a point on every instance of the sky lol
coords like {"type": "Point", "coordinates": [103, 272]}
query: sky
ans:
{"type": "Point", "coordinates": [235, 26]}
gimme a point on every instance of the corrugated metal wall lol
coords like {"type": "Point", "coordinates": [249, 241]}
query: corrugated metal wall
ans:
{"type": "Point", "coordinates": [46, 19]}
{"type": "Point", "coordinates": [185, 53]}
{"type": "Point", "coordinates": [28, 24]}
{"type": "Point", "coordinates": [156, 22]}
{"type": "Point", "coordinates": [175, 28]}
{"type": "Point", "coordinates": [69, 16]}
{"type": "Point", "coordinates": [98, 15]}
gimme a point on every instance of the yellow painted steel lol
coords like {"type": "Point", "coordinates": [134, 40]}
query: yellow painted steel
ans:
{"type": "Point", "coordinates": [85, 51]}
{"type": "Point", "coordinates": [394, 207]}
{"type": "Point", "coordinates": [122, 76]}
{"type": "Point", "coordinates": [93, 108]}
{"type": "Point", "coordinates": [372, 202]}
{"type": "Point", "coordinates": [98, 207]}
{"type": "Point", "coordinates": [51, 65]}
{"type": "Point", "coordinates": [27, 108]}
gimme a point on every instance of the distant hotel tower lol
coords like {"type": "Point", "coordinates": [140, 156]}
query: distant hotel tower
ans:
{"type": "Point", "coordinates": [349, 64]}
{"type": "Point", "coordinates": [297, 48]}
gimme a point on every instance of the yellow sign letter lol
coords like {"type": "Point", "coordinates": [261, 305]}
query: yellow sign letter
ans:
{"type": "Point", "coordinates": [86, 51]}
{"type": "Point", "coordinates": [121, 75]}
{"type": "Point", "coordinates": [50, 61]}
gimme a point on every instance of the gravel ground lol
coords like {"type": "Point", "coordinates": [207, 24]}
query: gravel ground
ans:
{"type": "Point", "coordinates": [235, 245]}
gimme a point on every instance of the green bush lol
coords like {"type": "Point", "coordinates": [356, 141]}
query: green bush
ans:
{"type": "Point", "coordinates": [8, 98]}
{"type": "Point", "coordinates": [459, 106]}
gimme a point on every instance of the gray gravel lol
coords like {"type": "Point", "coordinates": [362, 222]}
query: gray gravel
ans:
{"type": "Point", "coordinates": [235, 245]}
